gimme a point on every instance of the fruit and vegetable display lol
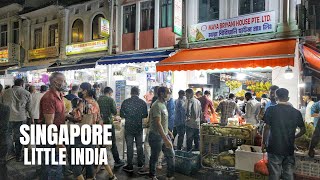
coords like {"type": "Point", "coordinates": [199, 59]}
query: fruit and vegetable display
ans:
{"type": "Point", "coordinates": [241, 132]}
{"type": "Point", "coordinates": [241, 93]}
{"type": "Point", "coordinates": [233, 84]}
{"type": "Point", "coordinates": [224, 159]}
{"type": "Point", "coordinates": [258, 87]}
{"type": "Point", "coordinates": [303, 142]}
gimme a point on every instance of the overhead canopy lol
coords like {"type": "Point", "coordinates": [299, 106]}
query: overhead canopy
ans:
{"type": "Point", "coordinates": [152, 56]}
{"type": "Point", "coordinates": [3, 68]}
{"type": "Point", "coordinates": [265, 54]}
{"type": "Point", "coordinates": [81, 64]}
{"type": "Point", "coordinates": [312, 57]}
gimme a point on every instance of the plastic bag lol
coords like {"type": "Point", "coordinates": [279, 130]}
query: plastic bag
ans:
{"type": "Point", "coordinates": [261, 166]}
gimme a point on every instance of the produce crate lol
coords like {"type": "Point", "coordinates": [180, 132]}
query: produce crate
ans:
{"type": "Point", "coordinates": [214, 164]}
{"type": "Point", "coordinates": [245, 175]}
{"type": "Point", "coordinates": [186, 162]}
{"type": "Point", "coordinates": [306, 166]}
{"type": "Point", "coordinates": [209, 145]}
{"type": "Point", "coordinates": [302, 177]}
{"type": "Point", "coordinates": [245, 159]}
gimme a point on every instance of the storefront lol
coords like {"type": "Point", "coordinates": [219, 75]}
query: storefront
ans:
{"type": "Point", "coordinates": [238, 68]}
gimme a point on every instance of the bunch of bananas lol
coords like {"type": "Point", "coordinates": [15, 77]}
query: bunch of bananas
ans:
{"type": "Point", "coordinates": [233, 84]}
{"type": "Point", "coordinates": [241, 93]}
{"type": "Point", "coordinates": [259, 86]}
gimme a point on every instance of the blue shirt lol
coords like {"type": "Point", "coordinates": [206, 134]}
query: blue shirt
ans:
{"type": "Point", "coordinates": [170, 107]}
{"type": "Point", "coordinates": [315, 109]}
{"type": "Point", "coordinates": [269, 104]}
{"type": "Point", "coordinates": [180, 112]}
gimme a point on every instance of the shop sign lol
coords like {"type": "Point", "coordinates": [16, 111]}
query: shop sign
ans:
{"type": "Point", "coordinates": [92, 46]}
{"type": "Point", "coordinates": [240, 26]}
{"type": "Point", "coordinates": [43, 53]}
{"type": "Point", "coordinates": [104, 27]}
{"type": "Point", "coordinates": [4, 56]}
{"type": "Point", "coordinates": [13, 52]}
{"type": "Point", "coordinates": [177, 13]}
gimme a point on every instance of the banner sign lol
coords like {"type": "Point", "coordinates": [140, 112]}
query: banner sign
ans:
{"type": "Point", "coordinates": [240, 26]}
{"type": "Point", "coordinates": [177, 19]}
{"type": "Point", "coordinates": [87, 47]}
{"type": "Point", "coordinates": [4, 56]}
{"type": "Point", "coordinates": [43, 53]}
{"type": "Point", "coordinates": [104, 27]}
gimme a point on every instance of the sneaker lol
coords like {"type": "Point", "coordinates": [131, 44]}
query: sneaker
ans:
{"type": "Point", "coordinates": [311, 153]}
{"type": "Point", "coordinates": [19, 159]}
{"type": "Point", "coordinates": [143, 171]}
{"type": "Point", "coordinates": [10, 157]}
{"type": "Point", "coordinates": [128, 168]}
{"type": "Point", "coordinates": [119, 164]}
{"type": "Point", "coordinates": [113, 177]}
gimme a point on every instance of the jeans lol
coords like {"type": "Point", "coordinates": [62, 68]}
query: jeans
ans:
{"type": "Point", "coordinates": [130, 138]}
{"type": "Point", "coordinates": [278, 164]}
{"type": "Point", "coordinates": [315, 137]}
{"type": "Point", "coordinates": [114, 148]}
{"type": "Point", "coordinates": [180, 131]}
{"type": "Point", "coordinates": [13, 136]}
{"type": "Point", "coordinates": [3, 161]}
{"type": "Point", "coordinates": [157, 144]}
{"type": "Point", "coordinates": [77, 169]}
{"type": "Point", "coordinates": [192, 136]}
{"type": "Point", "coordinates": [50, 172]}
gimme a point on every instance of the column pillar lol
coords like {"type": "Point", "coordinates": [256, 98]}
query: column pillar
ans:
{"type": "Point", "coordinates": [110, 42]}
{"type": "Point", "coordinates": [283, 25]}
{"type": "Point", "coordinates": [292, 15]}
{"type": "Point", "coordinates": [184, 41]}
{"type": "Point", "coordinates": [63, 32]}
{"type": "Point", "coordinates": [137, 34]}
{"type": "Point", "coordinates": [156, 23]}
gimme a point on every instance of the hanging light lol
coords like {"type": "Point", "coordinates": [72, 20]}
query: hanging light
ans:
{"type": "Point", "coordinates": [241, 76]}
{"type": "Point", "coordinates": [201, 75]}
{"type": "Point", "coordinates": [288, 74]}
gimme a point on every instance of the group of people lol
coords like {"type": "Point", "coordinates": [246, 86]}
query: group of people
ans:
{"type": "Point", "coordinates": [162, 118]}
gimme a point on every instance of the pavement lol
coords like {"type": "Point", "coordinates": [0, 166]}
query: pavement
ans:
{"type": "Point", "coordinates": [19, 171]}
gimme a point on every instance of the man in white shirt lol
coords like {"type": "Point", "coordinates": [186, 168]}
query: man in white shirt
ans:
{"type": "Point", "coordinates": [307, 99]}
{"type": "Point", "coordinates": [35, 102]}
{"type": "Point", "coordinates": [251, 109]}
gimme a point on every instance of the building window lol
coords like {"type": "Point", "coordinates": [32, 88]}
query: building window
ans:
{"type": "Point", "coordinates": [129, 19]}
{"type": "Point", "coordinates": [208, 10]}
{"type": "Point", "coordinates": [76, 11]}
{"type": "Point", "coordinates": [166, 13]}
{"type": "Point", "coordinates": [77, 31]}
{"type": "Point", "coordinates": [3, 37]}
{"type": "Point", "coordinates": [101, 4]}
{"type": "Point", "coordinates": [95, 27]}
{"type": "Point", "coordinates": [88, 7]}
{"type": "Point", "coordinates": [16, 32]}
{"type": "Point", "coordinates": [53, 35]}
{"type": "Point", "coordinates": [147, 15]}
{"type": "Point", "coordinates": [251, 6]}
{"type": "Point", "coordinates": [37, 38]}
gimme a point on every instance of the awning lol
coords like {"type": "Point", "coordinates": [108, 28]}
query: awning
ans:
{"type": "Point", "coordinates": [152, 56]}
{"type": "Point", "coordinates": [31, 66]}
{"type": "Point", "coordinates": [265, 54]}
{"type": "Point", "coordinates": [3, 68]}
{"type": "Point", "coordinates": [312, 57]}
{"type": "Point", "coordinates": [81, 64]}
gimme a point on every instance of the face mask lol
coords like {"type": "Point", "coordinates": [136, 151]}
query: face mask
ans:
{"type": "Point", "coordinates": [80, 95]}
{"type": "Point", "coordinates": [167, 98]}
{"type": "Point", "coordinates": [61, 87]}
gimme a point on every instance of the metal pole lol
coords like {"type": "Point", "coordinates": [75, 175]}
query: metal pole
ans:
{"type": "Point", "coordinates": [111, 28]}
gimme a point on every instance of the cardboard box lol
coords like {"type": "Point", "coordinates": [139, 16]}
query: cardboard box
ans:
{"type": "Point", "coordinates": [245, 159]}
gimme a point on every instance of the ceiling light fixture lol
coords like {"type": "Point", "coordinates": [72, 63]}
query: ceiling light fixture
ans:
{"type": "Point", "coordinates": [288, 74]}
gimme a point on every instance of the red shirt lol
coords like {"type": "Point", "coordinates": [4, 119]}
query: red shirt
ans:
{"type": "Point", "coordinates": [206, 105]}
{"type": "Point", "coordinates": [51, 103]}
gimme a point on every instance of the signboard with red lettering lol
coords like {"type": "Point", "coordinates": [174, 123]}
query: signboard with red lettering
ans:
{"type": "Point", "coordinates": [43, 53]}
{"type": "Point", "coordinates": [87, 47]}
{"type": "Point", "coordinates": [3, 55]}
{"type": "Point", "coordinates": [177, 20]}
{"type": "Point", "coordinates": [263, 22]}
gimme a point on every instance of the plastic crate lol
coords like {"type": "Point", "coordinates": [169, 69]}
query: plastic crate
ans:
{"type": "Point", "coordinates": [187, 162]}
{"type": "Point", "coordinates": [245, 175]}
{"type": "Point", "coordinates": [302, 177]}
{"type": "Point", "coordinates": [211, 146]}
{"type": "Point", "coordinates": [306, 166]}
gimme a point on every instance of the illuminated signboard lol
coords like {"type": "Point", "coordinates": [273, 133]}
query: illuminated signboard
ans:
{"type": "Point", "coordinates": [4, 56]}
{"type": "Point", "coordinates": [177, 19]}
{"type": "Point", "coordinates": [104, 27]}
{"type": "Point", "coordinates": [43, 52]}
{"type": "Point", "coordinates": [87, 47]}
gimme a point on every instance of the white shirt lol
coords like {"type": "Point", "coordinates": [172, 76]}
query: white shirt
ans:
{"type": "Point", "coordinates": [251, 111]}
{"type": "Point", "coordinates": [308, 118]}
{"type": "Point", "coordinates": [35, 104]}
